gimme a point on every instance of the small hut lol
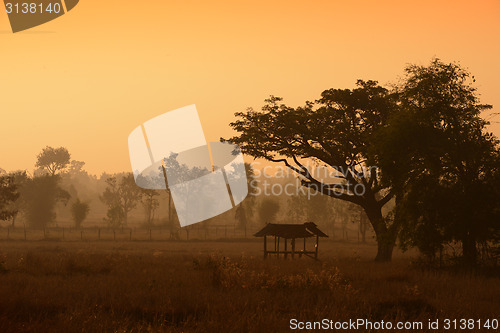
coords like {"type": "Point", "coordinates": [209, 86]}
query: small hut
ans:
{"type": "Point", "coordinates": [290, 232]}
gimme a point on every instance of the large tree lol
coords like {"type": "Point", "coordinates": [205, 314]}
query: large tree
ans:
{"type": "Point", "coordinates": [336, 131]}
{"type": "Point", "coordinates": [440, 161]}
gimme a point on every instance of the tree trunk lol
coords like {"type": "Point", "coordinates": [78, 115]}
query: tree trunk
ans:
{"type": "Point", "coordinates": [469, 249]}
{"type": "Point", "coordinates": [386, 237]}
{"type": "Point", "coordinates": [149, 218]}
{"type": "Point", "coordinates": [384, 252]}
{"type": "Point", "coordinates": [362, 227]}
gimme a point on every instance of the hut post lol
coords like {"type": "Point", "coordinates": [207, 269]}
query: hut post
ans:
{"type": "Point", "coordinates": [317, 246]}
{"type": "Point", "coordinates": [265, 246]}
{"type": "Point", "coordinates": [303, 250]}
{"type": "Point", "coordinates": [293, 248]}
{"type": "Point", "coordinates": [278, 252]}
{"type": "Point", "coordinates": [286, 252]}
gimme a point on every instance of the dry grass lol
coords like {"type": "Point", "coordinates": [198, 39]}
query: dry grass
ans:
{"type": "Point", "coordinates": [219, 286]}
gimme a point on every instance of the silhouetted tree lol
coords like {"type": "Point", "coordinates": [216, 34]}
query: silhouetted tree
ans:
{"type": "Point", "coordinates": [53, 159]}
{"type": "Point", "coordinates": [76, 168]}
{"type": "Point", "coordinates": [150, 203]}
{"type": "Point", "coordinates": [120, 197]}
{"type": "Point", "coordinates": [180, 172]}
{"type": "Point", "coordinates": [440, 161]}
{"type": "Point", "coordinates": [8, 195]}
{"type": "Point", "coordinates": [115, 216]}
{"type": "Point", "coordinates": [20, 180]}
{"type": "Point", "coordinates": [79, 212]}
{"type": "Point", "coordinates": [336, 131]}
{"type": "Point", "coordinates": [41, 195]}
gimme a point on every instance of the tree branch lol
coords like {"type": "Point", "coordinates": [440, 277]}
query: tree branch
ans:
{"type": "Point", "coordinates": [386, 199]}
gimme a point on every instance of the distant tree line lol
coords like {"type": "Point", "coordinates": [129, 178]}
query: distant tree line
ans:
{"type": "Point", "coordinates": [37, 195]}
{"type": "Point", "coordinates": [61, 185]}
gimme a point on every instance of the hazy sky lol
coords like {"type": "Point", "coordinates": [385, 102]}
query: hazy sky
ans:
{"type": "Point", "coordinates": [88, 78]}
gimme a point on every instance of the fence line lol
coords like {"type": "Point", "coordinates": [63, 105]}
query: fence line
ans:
{"type": "Point", "coordinates": [155, 233]}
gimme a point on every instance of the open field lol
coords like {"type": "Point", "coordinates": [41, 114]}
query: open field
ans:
{"type": "Point", "coordinates": [226, 286]}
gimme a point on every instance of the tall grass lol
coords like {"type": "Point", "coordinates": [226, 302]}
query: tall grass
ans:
{"type": "Point", "coordinates": [215, 287]}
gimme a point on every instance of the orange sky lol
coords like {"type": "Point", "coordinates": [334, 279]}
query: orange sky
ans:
{"type": "Point", "coordinates": [87, 79]}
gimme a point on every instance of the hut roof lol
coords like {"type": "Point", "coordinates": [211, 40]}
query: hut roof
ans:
{"type": "Point", "coordinates": [305, 230]}
{"type": "Point", "coordinates": [313, 228]}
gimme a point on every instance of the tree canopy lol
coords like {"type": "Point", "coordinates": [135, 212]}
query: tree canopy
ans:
{"type": "Point", "coordinates": [53, 159]}
{"type": "Point", "coordinates": [8, 195]}
{"type": "Point", "coordinates": [121, 196]}
{"type": "Point", "coordinates": [40, 196]}
{"type": "Point", "coordinates": [440, 161]}
{"type": "Point", "coordinates": [335, 131]}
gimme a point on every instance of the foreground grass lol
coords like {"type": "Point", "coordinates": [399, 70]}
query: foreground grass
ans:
{"type": "Point", "coordinates": [220, 286]}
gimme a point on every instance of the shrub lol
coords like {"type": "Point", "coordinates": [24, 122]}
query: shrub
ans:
{"type": "Point", "coordinates": [79, 211]}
